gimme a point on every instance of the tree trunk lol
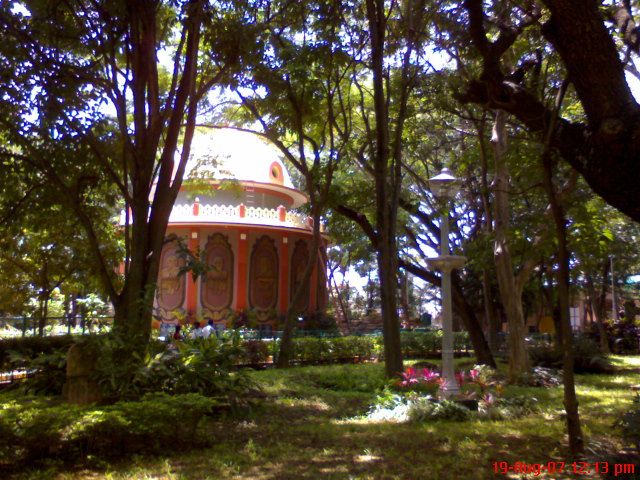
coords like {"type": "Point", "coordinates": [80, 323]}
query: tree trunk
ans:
{"type": "Point", "coordinates": [598, 312]}
{"type": "Point", "coordinates": [404, 298]}
{"type": "Point", "coordinates": [343, 308]}
{"type": "Point", "coordinates": [286, 342]}
{"type": "Point", "coordinates": [576, 441]}
{"type": "Point", "coordinates": [630, 311]}
{"type": "Point", "coordinates": [390, 322]}
{"type": "Point", "coordinates": [45, 312]}
{"type": "Point", "coordinates": [491, 316]}
{"type": "Point", "coordinates": [465, 311]}
{"type": "Point", "coordinates": [386, 194]}
{"type": "Point", "coordinates": [510, 294]}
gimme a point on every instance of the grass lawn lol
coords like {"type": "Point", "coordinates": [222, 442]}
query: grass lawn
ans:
{"type": "Point", "coordinates": [311, 426]}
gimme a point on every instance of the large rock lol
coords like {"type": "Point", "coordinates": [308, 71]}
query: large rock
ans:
{"type": "Point", "coordinates": [80, 388]}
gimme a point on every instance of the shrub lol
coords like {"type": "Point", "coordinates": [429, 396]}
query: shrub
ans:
{"type": "Point", "coordinates": [205, 366]}
{"type": "Point", "coordinates": [492, 408]}
{"type": "Point", "coordinates": [208, 367]}
{"type": "Point", "coordinates": [587, 356]}
{"type": "Point", "coordinates": [625, 337]}
{"type": "Point", "coordinates": [344, 348]}
{"type": "Point", "coordinates": [428, 343]}
{"type": "Point", "coordinates": [254, 351]}
{"type": "Point", "coordinates": [544, 377]}
{"type": "Point", "coordinates": [545, 355]}
{"type": "Point", "coordinates": [346, 378]}
{"type": "Point", "coordinates": [420, 344]}
{"type": "Point", "coordinates": [389, 406]}
{"type": "Point", "coordinates": [315, 350]}
{"type": "Point", "coordinates": [20, 351]}
{"type": "Point", "coordinates": [49, 373]}
{"type": "Point", "coordinates": [34, 431]}
{"type": "Point", "coordinates": [425, 409]}
{"type": "Point", "coordinates": [630, 423]}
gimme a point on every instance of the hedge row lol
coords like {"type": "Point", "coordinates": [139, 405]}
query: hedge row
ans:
{"type": "Point", "coordinates": [335, 349]}
{"type": "Point", "coordinates": [305, 349]}
{"type": "Point", "coordinates": [424, 344]}
{"type": "Point", "coordinates": [15, 350]}
{"type": "Point", "coordinates": [34, 431]}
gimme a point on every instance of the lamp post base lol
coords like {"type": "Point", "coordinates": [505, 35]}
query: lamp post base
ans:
{"type": "Point", "coordinates": [449, 392]}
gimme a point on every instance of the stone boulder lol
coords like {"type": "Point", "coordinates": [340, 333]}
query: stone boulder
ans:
{"type": "Point", "coordinates": [80, 388]}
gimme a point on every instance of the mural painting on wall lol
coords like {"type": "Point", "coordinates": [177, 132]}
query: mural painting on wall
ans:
{"type": "Point", "coordinates": [263, 287]}
{"type": "Point", "coordinates": [299, 261]}
{"type": "Point", "coordinates": [171, 285]}
{"type": "Point", "coordinates": [218, 281]}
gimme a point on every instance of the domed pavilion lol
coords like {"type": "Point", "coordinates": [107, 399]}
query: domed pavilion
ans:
{"type": "Point", "coordinates": [236, 210]}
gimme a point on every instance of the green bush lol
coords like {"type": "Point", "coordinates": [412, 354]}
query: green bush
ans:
{"type": "Point", "coordinates": [312, 350]}
{"type": "Point", "coordinates": [428, 343]}
{"type": "Point", "coordinates": [209, 367]}
{"type": "Point", "coordinates": [204, 366]}
{"type": "Point", "coordinates": [255, 351]}
{"type": "Point", "coordinates": [425, 409]}
{"type": "Point", "coordinates": [630, 424]}
{"type": "Point", "coordinates": [349, 347]}
{"type": "Point", "coordinates": [20, 351]}
{"type": "Point", "coordinates": [507, 408]}
{"type": "Point", "coordinates": [420, 344]}
{"type": "Point", "coordinates": [544, 377]}
{"type": "Point", "coordinates": [50, 373]}
{"type": "Point", "coordinates": [34, 431]}
{"type": "Point", "coordinates": [587, 356]}
{"type": "Point", "coordinates": [345, 378]}
{"type": "Point", "coordinates": [315, 350]}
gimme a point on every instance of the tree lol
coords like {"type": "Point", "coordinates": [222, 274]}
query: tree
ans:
{"type": "Point", "coordinates": [305, 69]}
{"type": "Point", "coordinates": [511, 286]}
{"type": "Point", "coordinates": [64, 61]}
{"type": "Point", "coordinates": [321, 105]}
{"type": "Point", "coordinates": [601, 143]}
{"type": "Point", "coordinates": [42, 249]}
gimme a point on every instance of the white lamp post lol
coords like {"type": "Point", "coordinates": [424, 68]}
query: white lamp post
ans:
{"type": "Point", "coordinates": [445, 186]}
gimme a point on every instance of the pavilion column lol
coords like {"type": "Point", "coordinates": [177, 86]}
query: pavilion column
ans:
{"type": "Point", "coordinates": [313, 289]}
{"type": "Point", "coordinates": [284, 276]}
{"type": "Point", "coordinates": [192, 286]}
{"type": "Point", "coordinates": [241, 282]}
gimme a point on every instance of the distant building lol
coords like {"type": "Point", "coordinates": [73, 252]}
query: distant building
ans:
{"type": "Point", "coordinates": [238, 208]}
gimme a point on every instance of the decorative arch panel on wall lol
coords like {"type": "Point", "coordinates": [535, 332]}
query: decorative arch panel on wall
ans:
{"type": "Point", "coordinates": [263, 274]}
{"type": "Point", "coordinates": [171, 285]}
{"type": "Point", "coordinates": [299, 261]}
{"type": "Point", "coordinates": [216, 291]}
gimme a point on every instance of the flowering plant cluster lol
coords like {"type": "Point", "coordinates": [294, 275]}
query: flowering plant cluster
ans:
{"type": "Point", "coordinates": [481, 397]}
{"type": "Point", "coordinates": [412, 377]}
{"type": "Point", "coordinates": [478, 383]}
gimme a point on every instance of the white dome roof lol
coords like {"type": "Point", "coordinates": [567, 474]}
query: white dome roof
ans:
{"type": "Point", "coordinates": [225, 153]}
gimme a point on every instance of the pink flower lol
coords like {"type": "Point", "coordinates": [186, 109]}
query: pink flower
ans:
{"type": "Point", "coordinates": [460, 377]}
{"type": "Point", "coordinates": [430, 376]}
{"type": "Point", "coordinates": [474, 374]}
{"type": "Point", "coordinates": [409, 377]}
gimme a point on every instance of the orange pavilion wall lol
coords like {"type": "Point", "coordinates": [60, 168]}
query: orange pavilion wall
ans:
{"type": "Point", "coordinates": [242, 240]}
